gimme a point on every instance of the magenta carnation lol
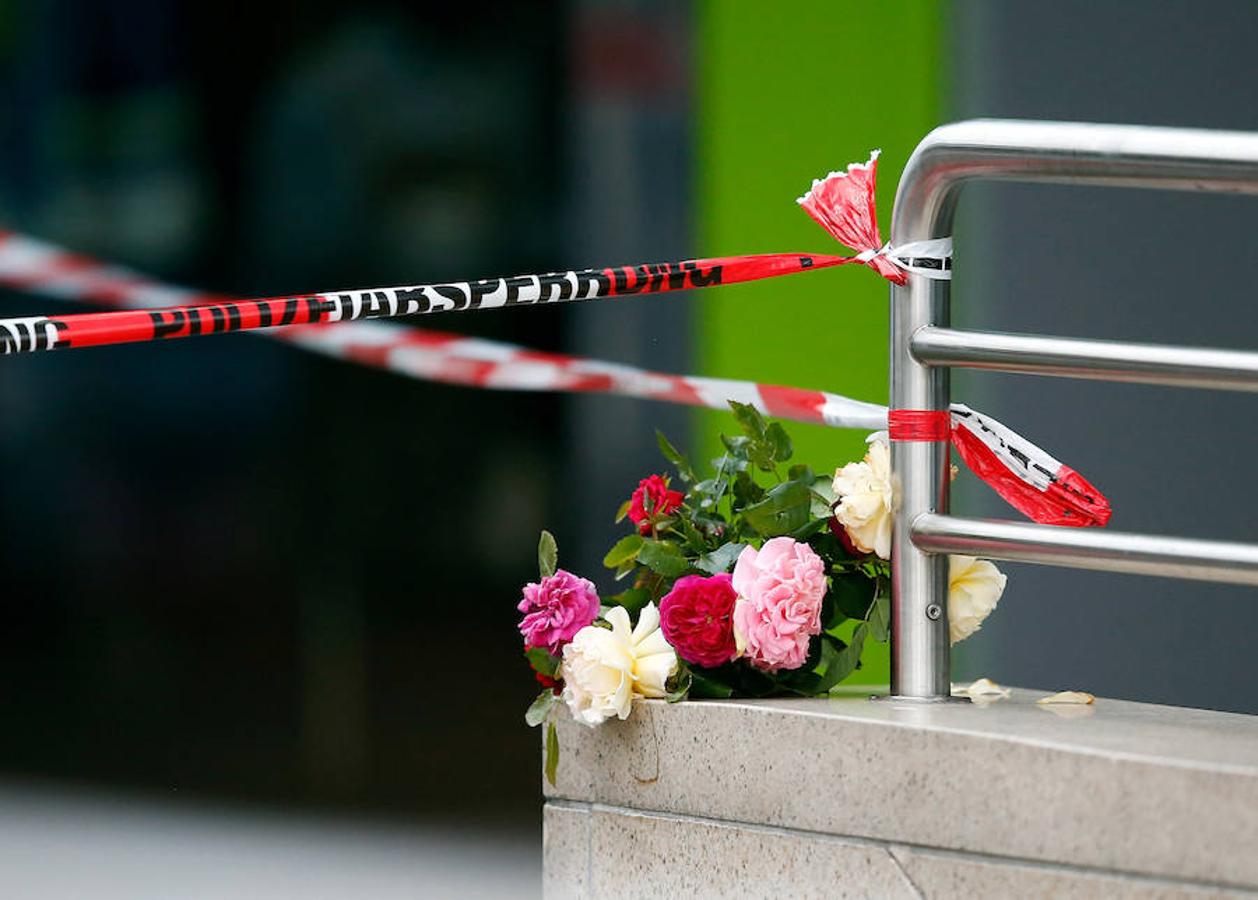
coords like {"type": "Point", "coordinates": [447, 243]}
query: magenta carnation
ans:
{"type": "Point", "coordinates": [697, 619]}
{"type": "Point", "coordinates": [780, 588]}
{"type": "Point", "coordinates": [555, 609]}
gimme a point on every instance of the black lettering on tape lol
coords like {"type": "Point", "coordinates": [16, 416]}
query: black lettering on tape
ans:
{"type": "Point", "coordinates": [514, 284]}
{"type": "Point", "coordinates": [482, 289]}
{"type": "Point", "coordinates": [164, 329]}
{"type": "Point", "coordinates": [560, 280]}
{"type": "Point", "coordinates": [455, 293]}
{"type": "Point", "coordinates": [623, 285]}
{"type": "Point", "coordinates": [592, 283]}
{"type": "Point", "coordinates": [417, 296]}
{"type": "Point", "coordinates": [699, 278]}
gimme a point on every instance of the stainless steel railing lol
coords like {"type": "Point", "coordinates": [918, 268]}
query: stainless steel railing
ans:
{"type": "Point", "coordinates": [923, 347]}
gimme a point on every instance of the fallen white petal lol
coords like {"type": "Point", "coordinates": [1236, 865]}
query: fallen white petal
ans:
{"type": "Point", "coordinates": [1080, 697]}
{"type": "Point", "coordinates": [985, 687]}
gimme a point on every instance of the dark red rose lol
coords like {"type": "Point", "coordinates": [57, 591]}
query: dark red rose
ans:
{"type": "Point", "coordinates": [696, 617]}
{"type": "Point", "coordinates": [662, 502]}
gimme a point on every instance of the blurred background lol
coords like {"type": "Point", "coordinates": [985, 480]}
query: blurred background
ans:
{"type": "Point", "coordinates": [260, 634]}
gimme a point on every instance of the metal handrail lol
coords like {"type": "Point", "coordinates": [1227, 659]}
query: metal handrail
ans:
{"type": "Point", "coordinates": [1034, 354]}
{"type": "Point", "coordinates": [923, 347]}
{"type": "Point", "coordinates": [1085, 548]}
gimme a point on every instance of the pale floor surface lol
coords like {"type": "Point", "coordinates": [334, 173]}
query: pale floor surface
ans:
{"type": "Point", "coordinates": [56, 843]}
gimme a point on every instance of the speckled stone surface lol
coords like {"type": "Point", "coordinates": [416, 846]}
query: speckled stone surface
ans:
{"type": "Point", "coordinates": [598, 851]}
{"type": "Point", "coordinates": [937, 874]}
{"type": "Point", "coordinates": [634, 854]}
{"type": "Point", "coordinates": [1117, 787]}
{"type": "Point", "coordinates": [565, 850]}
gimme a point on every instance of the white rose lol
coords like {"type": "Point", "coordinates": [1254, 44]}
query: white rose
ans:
{"type": "Point", "coordinates": [867, 503]}
{"type": "Point", "coordinates": [974, 588]}
{"type": "Point", "coordinates": [604, 669]}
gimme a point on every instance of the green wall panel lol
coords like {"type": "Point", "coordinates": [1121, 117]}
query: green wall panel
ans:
{"type": "Point", "coordinates": [787, 92]}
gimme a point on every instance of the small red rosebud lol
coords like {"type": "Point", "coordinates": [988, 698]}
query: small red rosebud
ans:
{"type": "Point", "coordinates": [652, 501]}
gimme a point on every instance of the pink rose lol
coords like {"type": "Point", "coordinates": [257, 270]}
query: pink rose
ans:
{"type": "Point", "coordinates": [662, 501]}
{"type": "Point", "coordinates": [555, 609]}
{"type": "Point", "coordinates": [780, 589]}
{"type": "Point", "coordinates": [696, 617]}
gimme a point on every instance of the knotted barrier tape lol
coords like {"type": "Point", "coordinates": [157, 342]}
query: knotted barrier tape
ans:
{"type": "Point", "coordinates": [843, 203]}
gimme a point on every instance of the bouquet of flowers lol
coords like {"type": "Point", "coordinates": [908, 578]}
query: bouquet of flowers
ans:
{"type": "Point", "coordinates": [766, 578]}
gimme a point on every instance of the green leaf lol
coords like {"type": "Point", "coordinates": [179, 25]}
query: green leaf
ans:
{"type": "Point", "coordinates": [828, 548]}
{"type": "Point", "coordinates": [633, 600]}
{"type": "Point", "coordinates": [720, 559]}
{"type": "Point", "coordinates": [542, 661]}
{"type": "Point", "coordinates": [784, 509]}
{"type": "Point", "coordinates": [681, 686]}
{"type": "Point", "coordinates": [625, 568]}
{"type": "Point", "coordinates": [780, 442]}
{"type": "Point", "coordinates": [694, 538]}
{"type": "Point", "coordinates": [676, 457]}
{"type": "Point", "coordinates": [831, 616]}
{"type": "Point", "coordinates": [844, 662]}
{"type": "Point", "coordinates": [663, 557]}
{"type": "Point", "coordinates": [737, 446]}
{"type": "Point", "coordinates": [760, 454]}
{"type": "Point", "coordinates": [705, 492]}
{"type": "Point", "coordinates": [552, 753]}
{"type": "Point", "coordinates": [625, 550]}
{"type": "Point", "coordinates": [726, 466]}
{"type": "Point", "coordinates": [880, 612]}
{"type": "Point", "coordinates": [835, 661]}
{"type": "Point", "coordinates": [746, 491]}
{"type": "Point", "coordinates": [820, 508]}
{"type": "Point", "coordinates": [817, 649]}
{"type": "Point", "coordinates": [748, 419]}
{"type": "Point", "coordinates": [623, 511]}
{"type": "Point", "coordinates": [809, 529]}
{"type": "Point", "coordinates": [853, 594]}
{"type": "Point", "coordinates": [540, 708]}
{"type": "Point", "coordinates": [703, 686]}
{"type": "Point", "coordinates": [823, 487]}
{"type": "Point", "coordinates": [547, 555]}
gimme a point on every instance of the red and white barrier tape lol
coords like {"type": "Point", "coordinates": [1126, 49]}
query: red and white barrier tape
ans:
{"type": "Point", "coordinates": [33, 334]}
{"type": "Point", "coordinates": [1027, 477]}
{"type": "Point", "coordinates": [842, 203]}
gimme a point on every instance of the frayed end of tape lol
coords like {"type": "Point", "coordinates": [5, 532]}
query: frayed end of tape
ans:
{"type": "Point", "coordinates": [871, 165]}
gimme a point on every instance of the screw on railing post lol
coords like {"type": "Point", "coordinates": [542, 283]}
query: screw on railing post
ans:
{"type": "Point", "coordinates": [919, 581]}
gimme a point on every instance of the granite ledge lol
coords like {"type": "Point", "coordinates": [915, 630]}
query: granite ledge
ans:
{"type": "Point", "coordinates": [1123, 787]}
{"type": "Point", "coordinates": [595, 851]}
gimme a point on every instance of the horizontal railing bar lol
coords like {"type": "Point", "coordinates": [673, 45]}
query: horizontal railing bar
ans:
{"type": "Point", "coordinates": [1134, 156]}
{"type": "Point", "coordinates": [1033, 354]}
{"type": "Point", "coordinates": [1087, 548]}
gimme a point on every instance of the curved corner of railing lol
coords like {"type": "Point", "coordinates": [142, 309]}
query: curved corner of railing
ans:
{"type": "Point", "coordinates": [1181, 159]}
{"type": "Point", "coordinates": [923, 194]}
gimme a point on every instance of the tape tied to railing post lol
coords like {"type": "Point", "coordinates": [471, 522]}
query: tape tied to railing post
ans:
{"type": "Point", "coordinates": [843, 204]}
{"type": "Point", "coordinates": [919, 425]}
{"type": "Point", "coordinates": [932, 259]}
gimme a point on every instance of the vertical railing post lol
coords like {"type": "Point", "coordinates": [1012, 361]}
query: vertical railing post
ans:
{"type": "Point", "coordinates": [919, 581]}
